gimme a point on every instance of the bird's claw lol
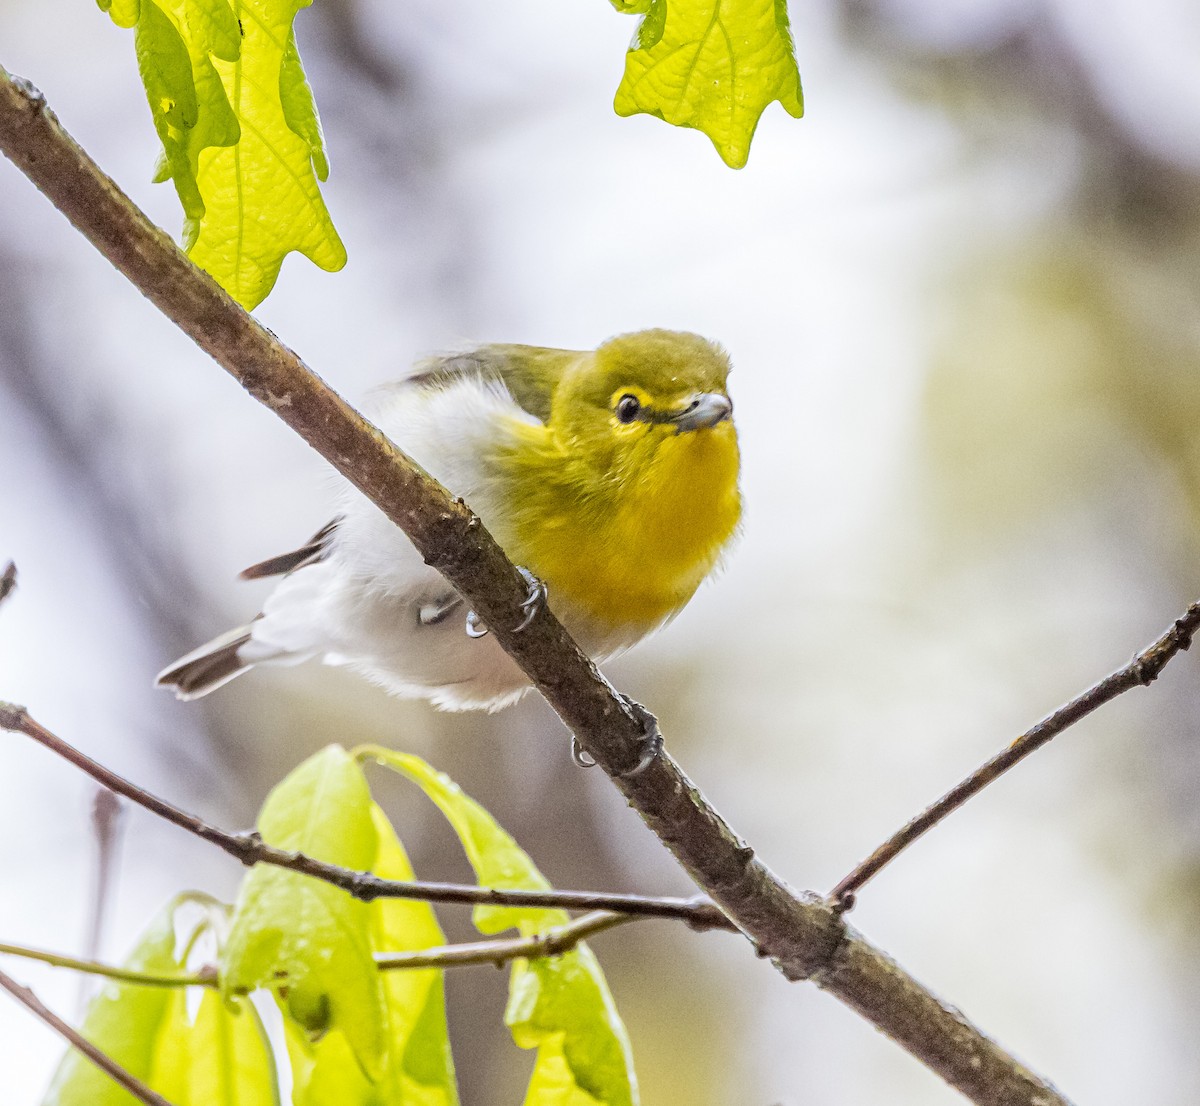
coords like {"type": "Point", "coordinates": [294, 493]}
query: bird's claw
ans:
{"type": "Point", "coordinates": [650, 745]}
{"type": "Point", "coordinates": [475, 626]}
{"type": "Point", "coordinates": [534, 601]}
{"type": "Point", "coordinates": [580, 756]}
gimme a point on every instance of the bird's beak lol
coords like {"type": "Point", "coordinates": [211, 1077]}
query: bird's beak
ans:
{"type": "Point", "coordinates": [706, 409]}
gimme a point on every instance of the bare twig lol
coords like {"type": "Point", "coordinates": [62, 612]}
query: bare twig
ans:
{"type": "Point", "coordinates": [801, 933]}
{"type": "Point", "coordinates": [249, 848]}
{"type": "Point", "coordinates": [8, 581]}
{"type": "Point", "coordinates": [862, 976]}
{"type": "Point", "coordinates": [551, 943]}
{"type": "Point", "coordinates": [205, 977]}
{"type": "Point", "coordinates": [1142, 671]}
{"type": "Point", "coordinates": [106, 833]}
{"type": "Point", "coordinates": [110, 1067]}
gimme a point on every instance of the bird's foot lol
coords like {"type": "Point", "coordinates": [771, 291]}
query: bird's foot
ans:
{"type": "Point", "coordinates": [580, 756]}
{"type": "Point", "coordinates": [534, 601]}
{"type": "Point", "coordinates": [649, 745]}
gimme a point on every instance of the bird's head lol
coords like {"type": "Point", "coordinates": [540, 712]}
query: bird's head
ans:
{"type": "Point", "coordinates": [641, 400]}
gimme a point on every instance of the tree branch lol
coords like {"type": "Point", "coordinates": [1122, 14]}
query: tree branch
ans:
{"type": "Point", "coordinates": [110, 1067]}
{"type": "Point", "coordinates": [107, 816]}
{"type": "Point", "coordinates": [862, 976]}
{"type": "Point", "coordinates": [250, 849]}
{"type": "Point", "coordinates": [1142, 671]}
{"type": "Point", "coordinates": [799, 933]}
{"type": "Point", "coordinates": [205, 977]}
{"type": "Point", "coordinates": [8, 581]}
{"type": "Point", "coordinates": [802, 933]}
{"type": "Point", "coordinates": [553, 942]}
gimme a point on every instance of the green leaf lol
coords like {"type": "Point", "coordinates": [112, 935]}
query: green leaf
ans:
{"type": "Point", "coordinates": [124, 13]}
{"type": "Point", "coordinates": [416, 1002]}
{"type": "Point", "coordinates": [240, 134]}
{"type": "Point", "coordinates": [419, 1070]}
{"type": "Point", "coordinates": [306, 939]}
{"type": "Point", "coordinates": [559, 1005]}
{"type": "Point", "coordinates": [221, 1058]}
{"type": "Point", "coordinates": [325, 1072]}
{"type": "Point", "coordinates": [713, 65]}
{"type": "Point", "coordinates": [562, 1007]}
{"type": "Point", "coordinates": [300, 109]}
{"type": "Point", "coordinates": [261, 196]}
{"type": "Point", "coordinates": [166, 71]}
{"type": "Point", "coordinates": [124, 1020]}
{"type": "Point", "coordinates": [497, 859]}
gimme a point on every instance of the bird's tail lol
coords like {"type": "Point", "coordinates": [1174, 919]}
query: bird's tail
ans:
{"type": "Point", "coordinates": [207, 668]}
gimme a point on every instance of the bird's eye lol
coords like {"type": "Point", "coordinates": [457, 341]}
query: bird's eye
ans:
{"type": "Point", "coordinates": [628, 408]}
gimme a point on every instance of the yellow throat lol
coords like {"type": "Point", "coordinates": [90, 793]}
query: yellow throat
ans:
{"type": "Point", "coordinates": [624, 517]}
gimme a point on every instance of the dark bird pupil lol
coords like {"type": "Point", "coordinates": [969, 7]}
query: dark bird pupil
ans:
{"type": "Point", "coordinates": [628, 408]}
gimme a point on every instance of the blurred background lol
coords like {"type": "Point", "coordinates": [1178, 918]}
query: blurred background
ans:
{"type": "Point", "coordinates": [961, 298]}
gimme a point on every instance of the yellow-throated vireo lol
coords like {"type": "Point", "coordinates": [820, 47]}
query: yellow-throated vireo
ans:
{"type": "Point", "coordinates": [610, 475]}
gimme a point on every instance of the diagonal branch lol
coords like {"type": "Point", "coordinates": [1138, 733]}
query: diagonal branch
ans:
{"type": "Point", "coordinates": [803, 934]}
{"type": "Point", "coordinates": [799, 933]}
{"type": "Point", "coordinates": [1142, 671]}
{"type": "Point", "coordinates": [110, 1067]}
{"type": "Point", "coordinates": [8, 581]}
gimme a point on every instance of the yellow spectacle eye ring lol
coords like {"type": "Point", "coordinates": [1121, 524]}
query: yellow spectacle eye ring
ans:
{"type": "Point", "coordinates": [628, 408]}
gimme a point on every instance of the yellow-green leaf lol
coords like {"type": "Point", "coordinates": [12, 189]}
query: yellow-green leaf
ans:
{"type": "Point", "coordinates": [562, 1007]}
{"type": "Point", "coordinates": [261, 196]}
{"type": "Point", "coordinates": [418, 1070]}
{"type": "Point", "coordinates": [559, 1005]}
{"type": "Point", "coordinates": [218, 1058]}
{"type": "Point", "coordinates": [124, 1020]}
{"type": "Point", "coordinates": [418, 1040]}
{"type": "Point", "coordinates": [497, 859]}
{"type": "Point", "coordinates": [306, 939]}
{"type": "Point", "coordinates": [240, 133]}
{"type": "Point", "coordinates": [713, 65]}
{"type": "Point", "coordinates": [124, 13]}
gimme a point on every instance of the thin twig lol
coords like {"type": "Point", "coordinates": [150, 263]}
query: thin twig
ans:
{"type": "Point", "coordinates": [8, 581]}
{"type": "Point", "coordinates": [107, 815]}
{"type": "Point", "coordinates": [860, 975]}
{"type": "Point", "coordinates": [551, 943]}
{"type": "Point", "coordinates": [205, 977]}
{"type": "Point", "coordinates": [1142, 671]}
{"type": "Point", "coordinates": [110, 1067]}
{"type": "Point", "coordinates": [249, 848]}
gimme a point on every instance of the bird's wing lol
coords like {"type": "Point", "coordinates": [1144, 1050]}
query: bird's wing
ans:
{"type": "Point", "coordinates": [528, 373]}
{"type": "Point", "coordinates": [312, 551]}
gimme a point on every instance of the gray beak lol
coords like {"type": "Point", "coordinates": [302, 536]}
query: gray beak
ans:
{"type": "Point", "coordinates": [706, 409]}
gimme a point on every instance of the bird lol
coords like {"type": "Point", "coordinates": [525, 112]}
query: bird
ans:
{"type": "Point", "coordinates": [609, 476]}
